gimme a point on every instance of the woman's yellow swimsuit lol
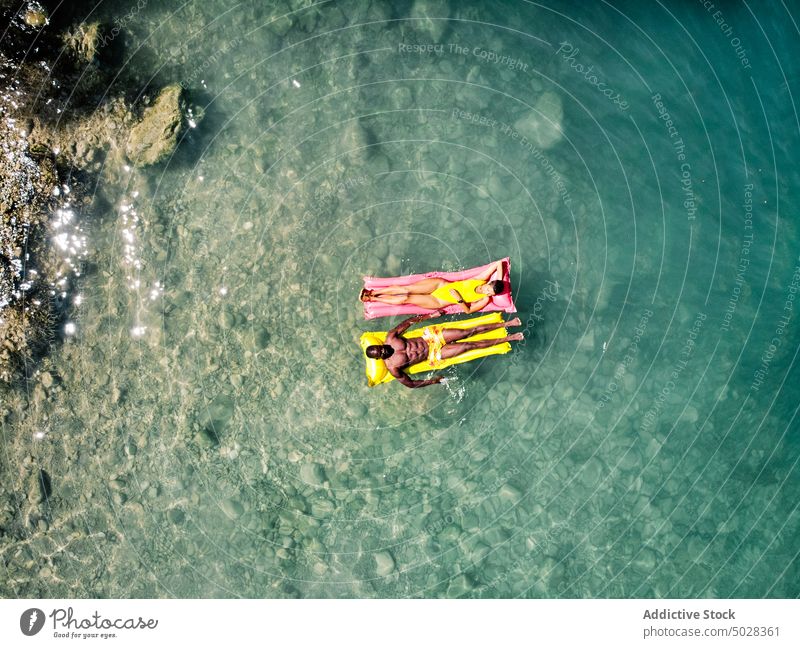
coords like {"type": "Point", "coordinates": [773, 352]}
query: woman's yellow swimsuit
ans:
{"type": "Point", "coordinates": [466, 288]}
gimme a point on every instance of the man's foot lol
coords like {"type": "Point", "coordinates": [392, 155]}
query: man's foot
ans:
{"type": "Point", "coordinates": [514, 322]}
{"type": "Point", "coordinates": [515, 337]}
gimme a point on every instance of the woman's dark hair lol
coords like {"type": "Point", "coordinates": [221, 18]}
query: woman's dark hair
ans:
{"type": "Point", "coordinates": [375, 351]}
{"type": "Point", "coordinates": [498, 286]}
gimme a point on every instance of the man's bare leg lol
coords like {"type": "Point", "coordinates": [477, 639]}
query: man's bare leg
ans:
{"type": "Point", "coordinates": [451, 335]}
{"type": "Point", "coordinates": [457, 348]}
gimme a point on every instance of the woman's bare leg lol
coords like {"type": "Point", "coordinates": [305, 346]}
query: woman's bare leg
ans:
{"type": "Point", "coordinates": [421, 287]}
{"type": "Point", "coordinates": [425, 301]}
{"type": "Point", "coordinates": [452, 350]}
{"type": "Point", "coordinates": [388, 299]}
{"type": "Point", "coordinates": [422, 301]}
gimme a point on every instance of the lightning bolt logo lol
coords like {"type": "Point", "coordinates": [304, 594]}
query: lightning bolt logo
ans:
{"type": "Point", "coordinates": [31, 621]}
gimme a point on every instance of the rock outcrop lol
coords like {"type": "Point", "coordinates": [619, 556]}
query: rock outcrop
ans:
{"type": "Point", "coordinates": [84, 41]}
{"type": "Point", "coordinates": [27, 188]}
{"type": "Point", "coordinates": [155, 137]}
{"type": "Point", "coordinates": [61, 120]}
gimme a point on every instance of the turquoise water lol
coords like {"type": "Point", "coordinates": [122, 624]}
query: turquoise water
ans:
{"type": "Point", "coordinates": [208, 431]}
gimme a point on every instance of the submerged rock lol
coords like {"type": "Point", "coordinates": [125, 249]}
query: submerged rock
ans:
{"type": "Point", "coordinates": [155, 137]}
{"type": "Point", "coordinates": [542, 125]}
{"type": "Point", "coordinates": [232, 508]}
{"type": "Point", "coordinates": [434, 17]}
{"type": "Point", "coordinates": [27, 185]}
{"type": "Point", "coordinates": [176, 516]}
{"type": "Point", "coordinates": [40, 487]}
{"type": "Point", "coordinates": [47, 79]}
{"type": "Point", "coordinates": [35, 16]}
{"type": "Point", "coordinates": [459, 586]}
{"type": "Point", "coordinates": [84, 41]}
{"type": "Point", "coordinates": [312, 473]}
{"type": "Point", "coordinates": [356, 139]}
{"type": "Point", "coordinates": [218, 414]}
{"type": "Point", "coordinates": [384, 563]}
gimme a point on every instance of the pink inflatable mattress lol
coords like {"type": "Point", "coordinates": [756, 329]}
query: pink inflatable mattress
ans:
{"type": "Point", "coordinates": [503, 302]}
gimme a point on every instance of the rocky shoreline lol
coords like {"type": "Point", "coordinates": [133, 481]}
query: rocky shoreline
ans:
{"type": "Point", "coordinates": [62, 122]}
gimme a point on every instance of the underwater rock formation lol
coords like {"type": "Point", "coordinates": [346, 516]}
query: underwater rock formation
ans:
{"type": "Point", "coordinates": [155, 137]}
{"type": "Point", "coordinates": [431, 17]}
{"type": "Point", "coordinates": [84, 41]}
{"type": "Point", "coordinates": [27, 187]}
{"type": "Point", "coordinates": [542, 125]}
{"type": "Point", "coordinates": [58, 123]}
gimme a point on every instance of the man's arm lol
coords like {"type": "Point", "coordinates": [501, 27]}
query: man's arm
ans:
{"type": "Point", "coordinates": [402, 327]}
{"type": "Point", "coordinates": [403, 379]}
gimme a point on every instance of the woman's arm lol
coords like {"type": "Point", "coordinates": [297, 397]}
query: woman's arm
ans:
{"type": "Point", "coordinates": [477, 305]}
{"type": "Point", "coordinates": [487, 274]}
{"type": "Point", "coordinates": [460, 300]}
{"type": "Point", "coordinates": [466, 306]}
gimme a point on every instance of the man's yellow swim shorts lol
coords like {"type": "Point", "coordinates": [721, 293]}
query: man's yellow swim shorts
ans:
{"type": "Point", "coordinates": [435, 338]}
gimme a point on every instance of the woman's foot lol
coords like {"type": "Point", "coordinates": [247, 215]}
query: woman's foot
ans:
{"type": "Point", "coordinates": [514, 322]}
{"type": "Point", "coordinates": [365, 295]}
{"type": "Point", "coordinates": [515, 337]}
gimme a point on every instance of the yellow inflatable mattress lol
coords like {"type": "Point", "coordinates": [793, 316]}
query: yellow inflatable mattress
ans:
{"type": "Point", "coordinates": [376, 369]}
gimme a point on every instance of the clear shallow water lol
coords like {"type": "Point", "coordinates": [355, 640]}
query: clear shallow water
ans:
{"type": "Point", "coordinates": [628, 448]}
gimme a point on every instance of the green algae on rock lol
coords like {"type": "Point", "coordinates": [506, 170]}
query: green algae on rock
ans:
{"type": "Point", "coordinates": [155, 137]}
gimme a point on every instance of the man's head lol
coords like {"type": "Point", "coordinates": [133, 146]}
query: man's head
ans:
{"type": "Point", "coordinates": [492, 288]}
{"type": "Point", "coordinates": [379, 351]}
